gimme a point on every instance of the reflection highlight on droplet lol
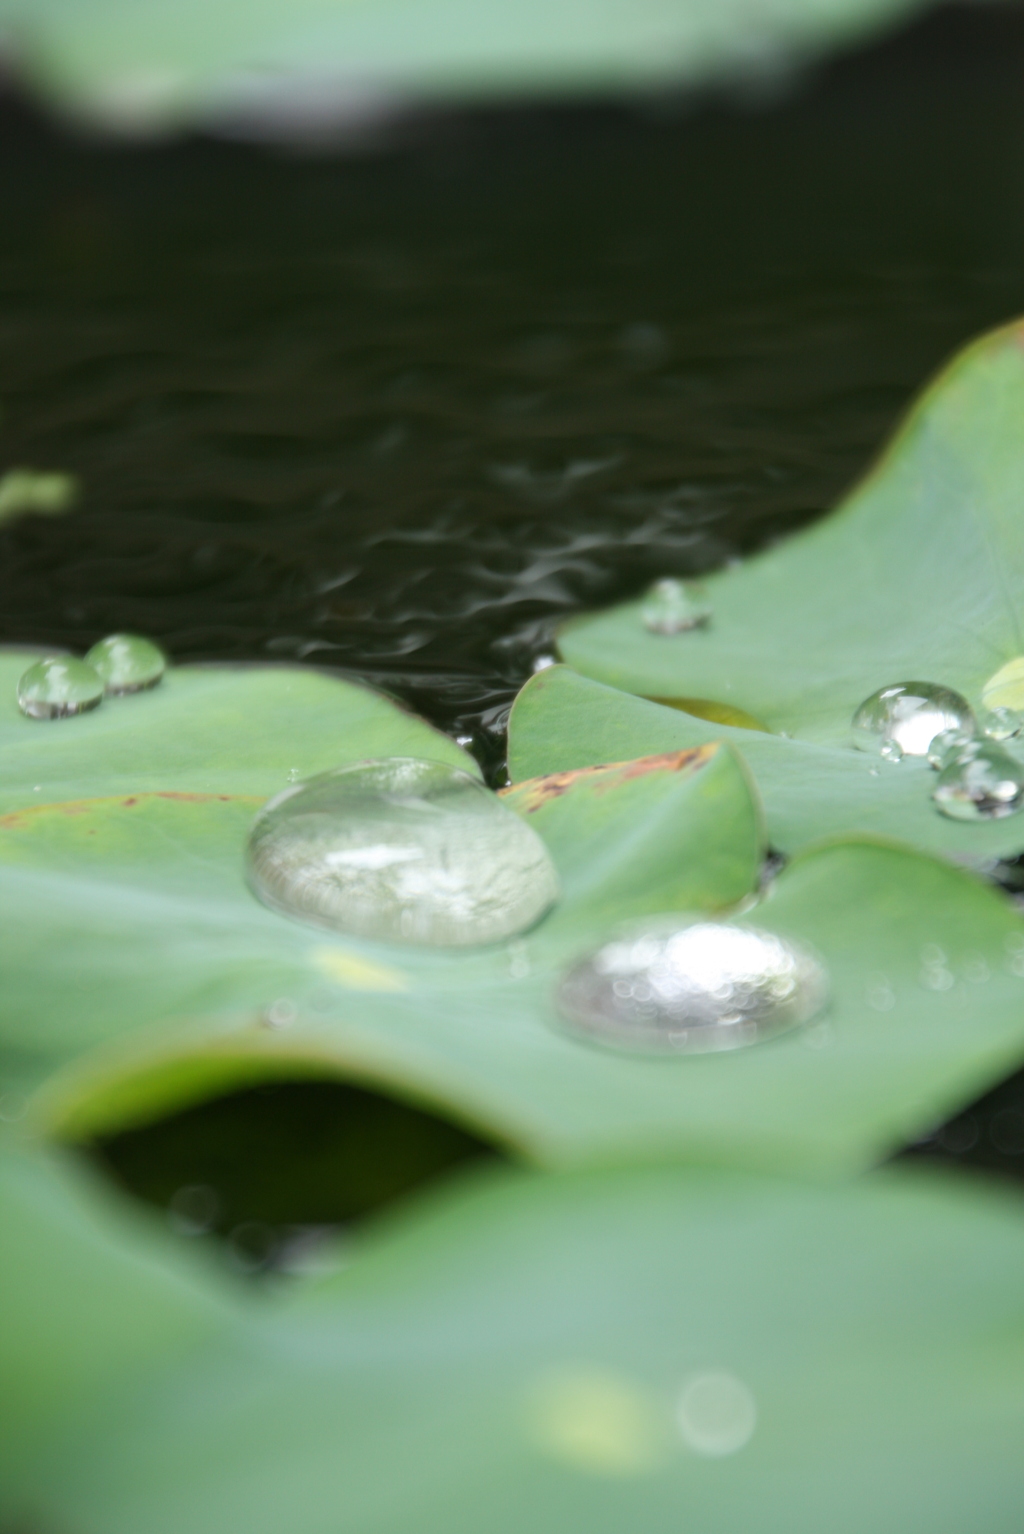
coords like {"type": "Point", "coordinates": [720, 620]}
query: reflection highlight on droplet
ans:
{"type": "Point", "coordinates": [910, 715]}
{"type": "Point", "coordinates": [401, 850]}
{"type": "Point", "coordinates": [675, 987]}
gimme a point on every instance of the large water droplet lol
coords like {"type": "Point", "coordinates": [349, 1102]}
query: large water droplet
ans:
{"type": "Point", "coordinates": [401, 850]}
{"type": "Point", "coordinates": [982, 782]}
{"type": "Point", "coordinates": [57, 687]}
{"type": "Point", "coordinates": [911, 714]}
{"type": "Point", "coordinates": [671, 606]}
{"type": "Point", "coordinates": [127, 663]}
{"type": "Point", "coordinates": [668, 987]}
{"type": "Point", "coordinates": [1001, 723]}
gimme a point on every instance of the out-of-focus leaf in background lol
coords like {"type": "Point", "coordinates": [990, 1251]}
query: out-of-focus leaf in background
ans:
{"type": "Point", "coordinates": [294, 65]}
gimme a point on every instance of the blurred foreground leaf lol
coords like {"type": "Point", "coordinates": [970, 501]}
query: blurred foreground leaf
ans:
{"type": "Point", "coordinates": [657, 1349]}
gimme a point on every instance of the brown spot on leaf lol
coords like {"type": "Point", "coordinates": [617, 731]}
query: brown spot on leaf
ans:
{"type": "Point", "coordinates": [535, 793]}
{"type": "Point", "coordinates": [17, 820]}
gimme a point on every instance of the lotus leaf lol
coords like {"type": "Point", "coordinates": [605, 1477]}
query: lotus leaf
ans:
{"type": "Point", "coordinates": [919, 576]}
{"type": "Point", "coordinates": [562, 720]}
{"type": "Point", "coordinates": [658, 1348]}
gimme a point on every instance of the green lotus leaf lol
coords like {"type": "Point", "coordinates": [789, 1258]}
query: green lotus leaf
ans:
{"type": "Point", "coordinates": [157, 951]}
{"type": "Point", "coordinates": [205, 729]}
{"type": "Point", "coordinates": [562, 720]}
{"type": "Point", "coordinates": [919, 576]}
{"type": "Point", "coordinates": [657, 1348]}
{"type": "Point", "coordinates": [129, 931]}
{"type": "Point", "coordinates": [138, 65]}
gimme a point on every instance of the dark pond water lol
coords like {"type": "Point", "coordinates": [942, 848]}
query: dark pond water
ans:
{"type": "Point", "coordinates": [399, 411]}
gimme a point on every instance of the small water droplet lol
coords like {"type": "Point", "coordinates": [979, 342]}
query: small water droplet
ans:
{"type": "Point", "coordinates": [975, 969]}
{"type": "Point", "coordinates": [58, 687]}
{"type": "Point", "coordinates": [127, 663]}
{"type": "Point", "coordinates": [253, 1246]}
{"type": "Point", "coordinates": [935, 977]}
{"type": "Point", "coordinates": [986, 783]}
{"type": "Point", "coordinates": [193, 1209]}
{"type": "Point", "coordinates": [1006, 1132]}
{"type": "Point", "coordinates": [668, 987]}
{"type": "Point", "coordinates": [544, 663]}
{"type": "Point", "coordinates": [401, 850]}
{"type": "Point", "coordinates": [281, 1013]}
{"type": "Point", "coordinates": [716, 1413]}
{"type": "Point", "coordinates": [672, 606]}
{"type": "Point", "coordinates": [911, 714]}
{"type": "Point", "coordinates": [959, 1135]}
{"type": "Point", "coordinates": [294, 774]}
{"type": "Point", "coordinates": [880, 994]}
{"type": "Point", "coordinates": [891, 751]}
{"type": "Point", "coordinates": [948, 743]}
{"type": "Point", "coordinates": [1001, 723]}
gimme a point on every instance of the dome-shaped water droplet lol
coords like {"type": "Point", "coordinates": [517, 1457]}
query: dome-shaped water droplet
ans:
{"type": "Point", "coordinates": [668, 987]}
{"type": "Point", "coordinates": [127, 662]}
{"type": "Point", "coordinates": [401, 850]}
{"type": "Point", "coordinates": [57, 687]}
{"type": "Point", "coordinates": [1001, 723]}
{"type": "Point", "coordinates": [671, 606]}
{"type": "Point", "coordinates": [911, 714]}
{"type": "Point", "coordinates": [983, 782]}
{"type": "Point", "coordinates": [947, 742]}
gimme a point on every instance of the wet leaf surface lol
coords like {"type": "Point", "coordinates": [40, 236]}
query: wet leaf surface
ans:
{"type": "Point", "coordinates": [563, 721]}
{"type": "Point", "coordinates": [919, 576]}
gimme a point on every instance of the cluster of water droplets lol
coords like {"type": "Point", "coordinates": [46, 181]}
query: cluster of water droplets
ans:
{"type": "Point", "coordinates": [401, 850]}
{"type": "Point", "coordinates": [674, 986]}
{"type": "Point", "coordinates": [979, 778]}
{"type": "Point", "coordinates": [63, 685]}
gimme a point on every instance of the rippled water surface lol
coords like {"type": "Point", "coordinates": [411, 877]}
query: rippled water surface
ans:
{"type": "Point", "coordinates": [399, 411]}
